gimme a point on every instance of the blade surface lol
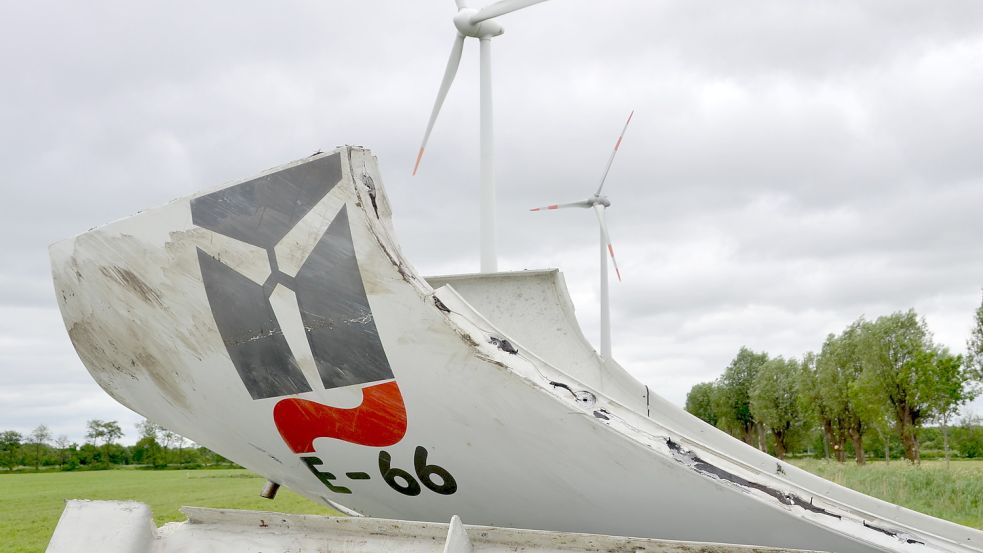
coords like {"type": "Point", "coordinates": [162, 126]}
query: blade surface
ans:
{"type": "Point", "coordinates": [615, 151]}
{"type": "Point", "coordinates": [452, 63]}
{"type": "Point", "coordinates": [461, 4]}
{"type": "Point", "coordinates": [583, 203]}
{"type": "Point", "coordinates": [501, 7]}
{"type": "Point", "coordinates": [599, 211]}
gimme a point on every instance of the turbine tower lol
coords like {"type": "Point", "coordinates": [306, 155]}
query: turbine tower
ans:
{"type": "Point", "coordinates": [599, 204]}
{"type": "Point", "coordinates": [475, 23]}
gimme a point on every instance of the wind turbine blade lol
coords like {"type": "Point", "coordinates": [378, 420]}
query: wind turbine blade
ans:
{"type": "Point", "coordinates": [461, 4]}
{"type": "Point", "coordinates": [584, 203]}
{"type": "Point", "coordinates": [613, 152]}
{"type": "Point", "coordinates": [452, 63]}
{"type": "Point", "coordinates": [599, 211]}
{"type": "Point", "coordinates": [501, 7]}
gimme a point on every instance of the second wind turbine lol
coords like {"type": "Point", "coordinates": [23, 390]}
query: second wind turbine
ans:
{"type": "Point", "coordinates": [474, 23]}
{"type": "Point", "coordinates": [599, 204]}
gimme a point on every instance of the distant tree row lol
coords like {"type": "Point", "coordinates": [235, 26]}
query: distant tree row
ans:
{"type": "Point", "coordinates": [157, 448]}
{"type": "Point", "coordinates": [885, 377]}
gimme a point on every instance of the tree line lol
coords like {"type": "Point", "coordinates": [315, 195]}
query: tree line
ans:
{"type": "Point", "coordinates": [156, 448]}
{"type": "Point", "coordinates": [874, 384]}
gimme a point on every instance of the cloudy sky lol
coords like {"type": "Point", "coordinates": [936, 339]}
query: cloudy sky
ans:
{"type": "Point", "coordinates": [791, 165]}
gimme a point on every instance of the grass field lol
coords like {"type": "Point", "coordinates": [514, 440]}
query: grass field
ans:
{"type": "Point", "coordinates": [30, 504]}
{"type": "Point", "coordinates": [955, 494]}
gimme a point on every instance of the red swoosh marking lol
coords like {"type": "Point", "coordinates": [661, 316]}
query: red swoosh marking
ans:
{"type": "Point", "coordinates": [379, 421]}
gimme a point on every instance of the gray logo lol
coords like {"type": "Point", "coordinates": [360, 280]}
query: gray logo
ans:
{"type": "Point", "coordinates": [328, 286]}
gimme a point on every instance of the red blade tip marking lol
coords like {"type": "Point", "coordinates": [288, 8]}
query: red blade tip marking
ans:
{"type": "Point", "coordinates": [419, 156]}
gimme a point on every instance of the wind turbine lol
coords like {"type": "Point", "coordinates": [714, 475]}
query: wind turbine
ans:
{"type": "Point", "coordinates": [599, 204]}
{"type": "Point", "coordinates": [475, 23]}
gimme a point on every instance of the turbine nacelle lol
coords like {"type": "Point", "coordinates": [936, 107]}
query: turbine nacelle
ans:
{"type": "Point", "coordinates": [597, 199]}
{"type": "Point", "coordinates": [481, 30]}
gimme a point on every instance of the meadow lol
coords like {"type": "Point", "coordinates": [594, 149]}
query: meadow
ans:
{"type": "Point", "coordinates": [954, 494]}
{"type": "Point", "coordinates": [30, 504]}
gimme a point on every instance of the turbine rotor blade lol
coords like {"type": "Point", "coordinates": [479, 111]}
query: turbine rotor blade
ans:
{"type": "Point", "coordinates": [452, 63]}
{"type": "Point", "coordinates": [461, 4]}
{"type": "Point", "coordinates": [583, 203]}
{"type": "Point", "coordinates": [599, 211]}
{"type": "Point", "coordinates": [613, 152]}
{"type": "Point", "coordinates": [501, 7]}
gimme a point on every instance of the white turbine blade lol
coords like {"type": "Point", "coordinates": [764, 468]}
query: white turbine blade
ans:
{"type": "Point", "coordinates": [613, 152]}
{"type": "Point", "coordinates": [452, 63]}
{"type": "Point", "coordinates": [584, 203]}
{"type": "Point", "coordinates": [599, 211]}
{"type": "Point", "coordinates": [461, 4]}
{"type": "Point", "coordinates": [501, 7]}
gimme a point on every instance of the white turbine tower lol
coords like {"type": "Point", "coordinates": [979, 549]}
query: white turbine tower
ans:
{"type": "Point", "coordinates": [474, 23]}
{"type": "Point", "coordinates": [599, 204]}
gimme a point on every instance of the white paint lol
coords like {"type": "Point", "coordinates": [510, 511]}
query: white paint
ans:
{"type": "Point", "coordinates": [294, 248]}
{"type": "Point", "coordinates": [251, 261]}
{"type": "Point", "coordinates": [284, 303]}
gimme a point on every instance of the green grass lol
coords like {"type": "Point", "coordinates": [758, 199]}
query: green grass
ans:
{"type": "Point", "coordinates": [30, 504]}
{"type": "Point", "coordinates": [955, 494]}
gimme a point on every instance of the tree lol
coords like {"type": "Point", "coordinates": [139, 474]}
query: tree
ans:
{"type": "Point", "coordinates": [838, 368]}
{"type": "Point", "coordinates": [148, 429]}
{"type": "Point", "coordinates": [62, 443]}
{"type": "Point", "coordinates": [95, 431]}
{"type": "Point", "coordinates": [700, 402]}
{"type": "Point", "coordinates": [10, 441]}
{"type": "Point", "coordinates": [950, 386]}
{"type": "Point", "coordinates": [734, 400]}
{"type": "Point", "coordinates": [107, 431]}
{"type": "Point", "coordinates": [39, 438]}
{"type": "Point", "coordinates": [974, 346]}
{"type": "Point", "coordinates": [148, 449]}
{"type": "Point", "coordinates": [812, 402]}
{"type": "Point", "coordinates": [896, 369]}
{"type": "Point", "coordinates": [112, 431]}
{"type": "Point", "coordinates": [774, 400]}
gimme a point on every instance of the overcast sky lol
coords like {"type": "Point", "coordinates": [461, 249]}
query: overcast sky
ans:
{"type": "Point", "coordinates": [791, 165]}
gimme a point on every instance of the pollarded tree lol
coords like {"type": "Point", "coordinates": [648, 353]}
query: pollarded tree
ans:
{"type": "Point", "coordinates": [735, 392]}
{"type": "Point", "coordinates": [700, 402]}
{"type": "Point", "coordinates": [897, 369]}
{"type": "Point", "coordinates": [950, 386]}
{"type": "Point", "coordinates": [774, 400]}
{"type": "Point", "coordinates": [838, 369]}
{"type": "Point", "coordinates": [812, 402]}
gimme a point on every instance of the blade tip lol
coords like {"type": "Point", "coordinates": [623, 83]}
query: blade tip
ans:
{"type": "Point", "coordinates": [419, 157]}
